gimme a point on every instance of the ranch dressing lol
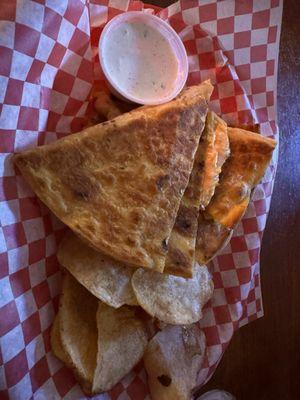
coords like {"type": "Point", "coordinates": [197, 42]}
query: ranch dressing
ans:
{"type": "Point", "coordinates": [140, 61]}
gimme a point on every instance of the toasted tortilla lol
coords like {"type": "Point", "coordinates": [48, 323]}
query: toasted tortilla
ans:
{"type": "Point", "coordinates": [172, 360]}
{"type": "Point", "coordinates": [250, 155]}
{"type": "Point", "coordinates": [182, 242]}
{"type": "Point", "coordinates": [173, 299]}
{"type": "Point", "coordinates": [212, 237]}
{"type": "Point", "coordinates": [118, 185]}
{"type": "Point", "coordinates": [122, 340]}
{"type": "Point", "coordinates": [215, 151]}
{"type": "Point", "coordinates": [222, 147]}
{"type": "Point", "coordinates": [211, 154]}
{"type": "Point", "coordinates": [104, 277]}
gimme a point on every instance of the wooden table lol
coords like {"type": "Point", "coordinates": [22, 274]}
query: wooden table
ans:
{"type": "Point", "coordinates": [263, 360]}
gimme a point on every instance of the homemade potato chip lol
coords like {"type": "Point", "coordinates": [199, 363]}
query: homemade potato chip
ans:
{"type": "Point", "coordinates": [60, 353]}
{"type": "Point", "coordinates": [173, 299]}
{"type": "Point", "coordinates": [172, 360]}
{"type": "Point", "coordinates": [104, 277]}
{"type": "Point", "coordinates": [122, 339]}
{"type": "Point", "coordinates": [99, 343]}
{"type": "Point", "coordinates": [118, 185]}
{"type": "Point", "coordinates": [105, 106]}
{"type": "Point", "coordinates": [56, 343]}
{"type": "Point", "coordinates": [78, 329]}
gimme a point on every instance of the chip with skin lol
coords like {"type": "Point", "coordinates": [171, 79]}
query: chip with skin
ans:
{"type": "Point", "coordinates": [99, 343]}
{"type": "Point", "coordinates": [173, 358]}
{"type": "Point", "coordinates": [173, 299]}
{"type": "Point", "coordinates": [78, 330]}
{"type": "Point", "coordinates": [105, 278]}
{"type": "Point", "coordinates": [122, 340]}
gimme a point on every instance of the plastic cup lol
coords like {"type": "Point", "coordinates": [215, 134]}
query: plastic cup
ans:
{"type": "Point", "coordinates": [216, 395]}
{"type": "Point", "coordinates": [168, 33]}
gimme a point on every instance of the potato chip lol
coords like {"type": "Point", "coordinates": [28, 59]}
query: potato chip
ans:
{"type": "Point", "coordinates": [122, 340]}
{"type": "Point", "coordinates": [60, 353]}
{"type": "Point", "coordinates": [172, 360]}
{"type": "Point", "coordinates": [56, 343]}
{"type": "Point", "coordinates": [105, 106]}
{"type": "Point", "coordinates": [173, 299]}
{"type": "Point", "coordinates": [99, 343]}
{"type": "Point", "coordinates": [104, 277]}
{"type": "Point", "coordinates": [78, 330]}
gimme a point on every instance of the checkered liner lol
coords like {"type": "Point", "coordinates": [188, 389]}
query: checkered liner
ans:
{"type": "Point", "coordinates": [48, 64]}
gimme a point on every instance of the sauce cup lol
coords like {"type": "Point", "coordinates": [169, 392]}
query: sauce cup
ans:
{"type": "Point", "coordinates": [167, 33]}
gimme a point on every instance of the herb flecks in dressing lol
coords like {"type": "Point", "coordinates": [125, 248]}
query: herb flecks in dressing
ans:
{"type": "Point", "coordinates": [140, 61]}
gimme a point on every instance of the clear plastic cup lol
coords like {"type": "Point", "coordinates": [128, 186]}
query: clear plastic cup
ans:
{"type": "Point", "coordinates": [169, 34]}
{"type": "Point", "coordinates": [216, 395]}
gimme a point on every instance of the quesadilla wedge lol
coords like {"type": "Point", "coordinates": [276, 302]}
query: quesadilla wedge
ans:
{"type": "Point", "coordinates": [118, 184]}
{"type": "Point", "coordinates": [215, 151]}
{"type": "Point", "coordinates": [250, 154]}
{"type": "Point", "coordinates": [211, 154]}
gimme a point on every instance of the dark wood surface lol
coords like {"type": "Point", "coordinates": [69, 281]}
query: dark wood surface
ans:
{"type": "Point", "coordinates": [263, 360]}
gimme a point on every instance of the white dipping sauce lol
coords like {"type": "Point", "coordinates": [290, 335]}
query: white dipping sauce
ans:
{"type": "Point", "coordinates": [140, 61]}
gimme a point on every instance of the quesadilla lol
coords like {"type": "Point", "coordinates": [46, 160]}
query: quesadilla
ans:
{"type": "Point", "coordinates": [211, 154]}
{"type": "Point", "coordinates": [215, 150]}
{"type": "Point", "coordinates": [118, 185]}
{"type": "Point", "coordinates": [250, 154]}
{"type": "Point", "coordinates": [181, 244]}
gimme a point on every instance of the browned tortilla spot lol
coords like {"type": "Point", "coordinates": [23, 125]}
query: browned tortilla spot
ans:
{"type": "Point", "coordinates": [186, 221]}
{"type": "Point", "coordinates": [162, 182]}
{"type": "Point", "coordinates": [177, 260]}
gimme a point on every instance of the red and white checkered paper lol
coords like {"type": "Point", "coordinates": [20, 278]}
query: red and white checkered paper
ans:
{"type": "Point", "coordinates": [48, 64]}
